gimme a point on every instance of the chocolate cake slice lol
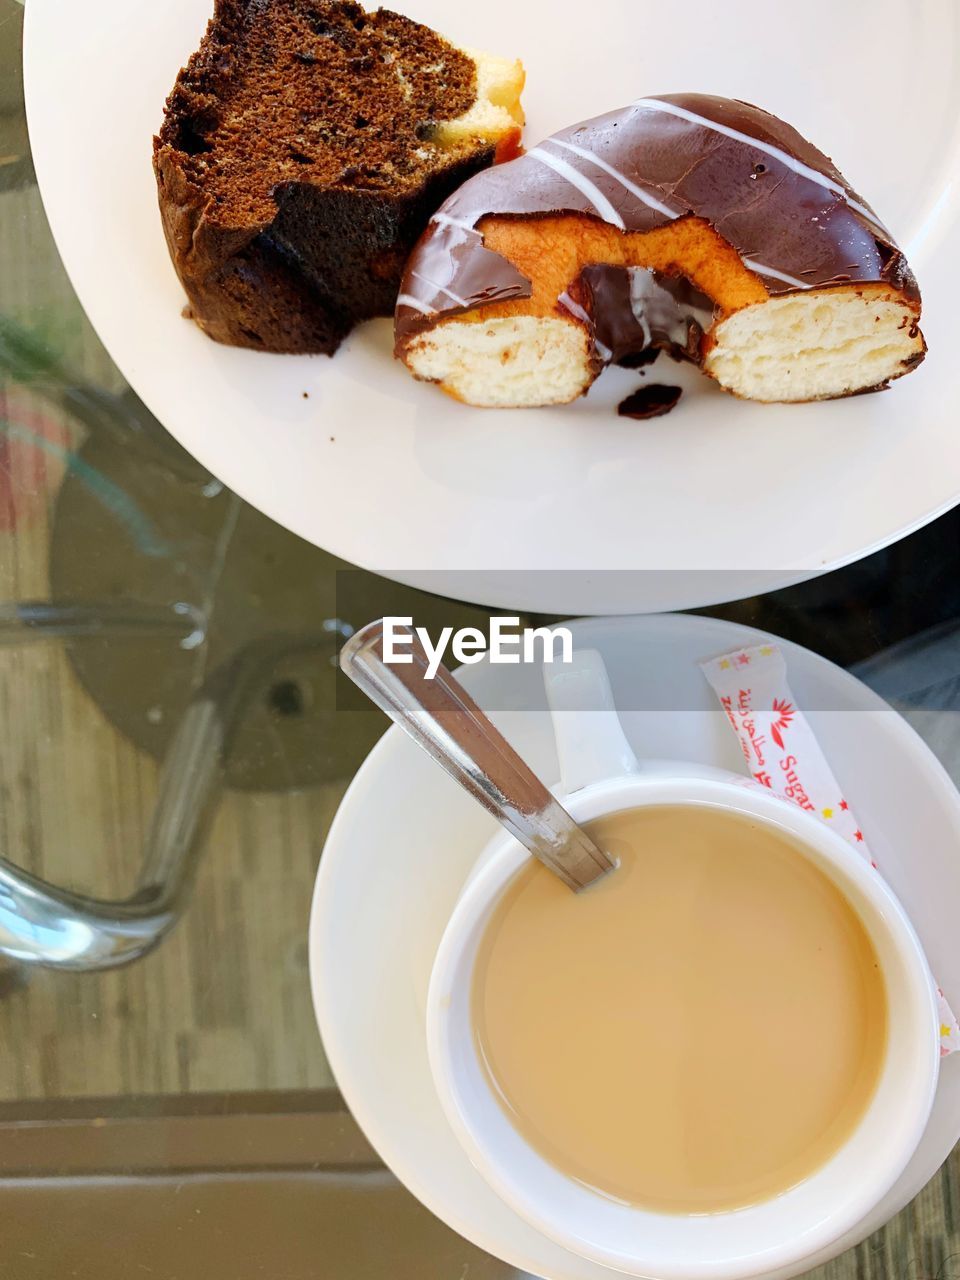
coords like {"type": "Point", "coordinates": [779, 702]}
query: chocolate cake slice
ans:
{"type": "Point", "coordinates": [304, 147]}
{"type": "Point", "coordinates": [698, 225]}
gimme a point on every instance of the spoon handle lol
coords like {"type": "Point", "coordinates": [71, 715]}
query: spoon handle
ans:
{"type": "Point", "coordinates": [442, 718]}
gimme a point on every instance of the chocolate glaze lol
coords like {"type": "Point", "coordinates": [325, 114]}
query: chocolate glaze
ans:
{"type": "Point", "coordinates": [639, 359]}
{"type": "Point", "coordinates": [634, 310]}
{"type": "Point", "coordinates": [780, 202]}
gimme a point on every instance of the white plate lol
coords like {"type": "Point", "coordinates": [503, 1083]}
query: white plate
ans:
{"type": "Point", "coordinates": [406, 839]}
{"type": "Point", "coordinates": [726, 499]}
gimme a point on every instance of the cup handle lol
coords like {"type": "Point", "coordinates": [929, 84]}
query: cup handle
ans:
{"type": "Point", "coordinates": [591, 744]}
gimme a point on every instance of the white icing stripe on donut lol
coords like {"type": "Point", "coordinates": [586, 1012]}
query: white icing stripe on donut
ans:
{"type": "Point", "coordinates": [650, 201]}
{"type": "Point", "coordinates": [804, 170]}
{"type": "Point", "coordinates": [761, 270]}
{"type": "Point", "coordinates": [408, 300]}
{"type": "Point", "coordinates": [444, 220]}
{"type": "Point", "coordinates": [586, 188]}
{"type": "Point", "coordinates": [578, 313]}
{"type": "Point", "coordinates": [574, 308]}
{"type": "Point", "coordinates": [439, 288]}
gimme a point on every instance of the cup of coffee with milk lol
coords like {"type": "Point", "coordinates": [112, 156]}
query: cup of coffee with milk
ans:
{"type": "Point", "coordinates": [714, 1061]}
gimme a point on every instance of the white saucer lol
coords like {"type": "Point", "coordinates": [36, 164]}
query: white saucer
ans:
{"type": "Point", "coordinates": [406, 838]}
{"type": "Point", "coordinates": [718, 501]}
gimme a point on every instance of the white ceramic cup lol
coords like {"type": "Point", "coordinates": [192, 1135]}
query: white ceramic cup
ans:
{"type": "Point", "coordinates": [601, 775]}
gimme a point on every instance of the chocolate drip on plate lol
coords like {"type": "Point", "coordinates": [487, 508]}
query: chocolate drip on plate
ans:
{"type": "Point", "coordinates": [653, 401]}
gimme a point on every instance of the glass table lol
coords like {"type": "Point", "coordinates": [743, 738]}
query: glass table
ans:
{"type": "Point", "coordinates": [172, 757]}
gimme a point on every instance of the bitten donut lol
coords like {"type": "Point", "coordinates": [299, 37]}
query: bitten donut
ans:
{"type": "Point", "coordinates": [695, 224]}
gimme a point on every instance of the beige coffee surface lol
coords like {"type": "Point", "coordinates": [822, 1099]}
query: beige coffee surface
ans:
{"type": "Point", "coordinates": [699, 1031]}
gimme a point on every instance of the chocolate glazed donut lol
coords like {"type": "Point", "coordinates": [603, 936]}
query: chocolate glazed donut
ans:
{"type": "Point", "coordinates": [695, 224]}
